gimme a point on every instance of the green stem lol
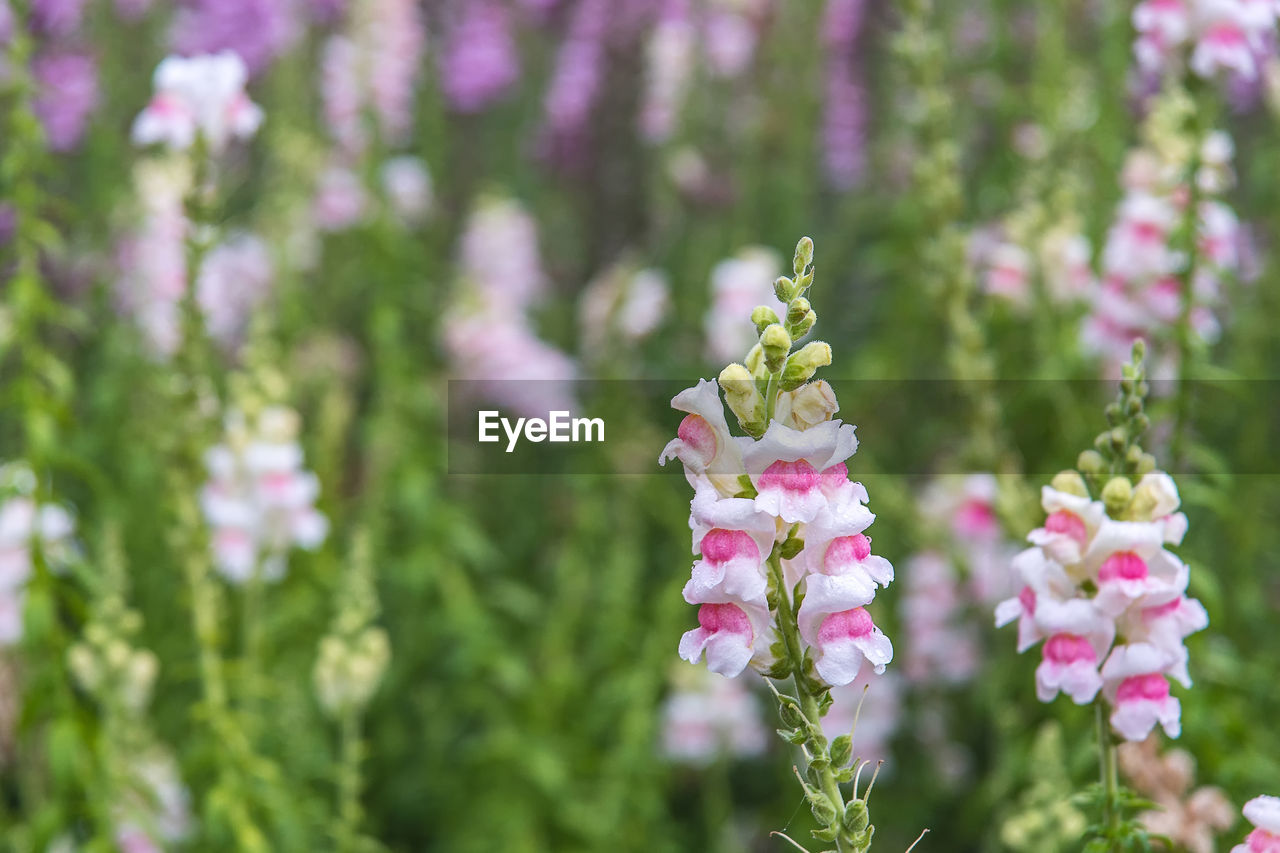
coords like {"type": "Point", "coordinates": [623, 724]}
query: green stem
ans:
{"type": "Point", "coordinates": [808, 702]}
{"type": "Point", "coordinates": [1107, 770]}
{"type": "Point", "coordinates": [349, 782]}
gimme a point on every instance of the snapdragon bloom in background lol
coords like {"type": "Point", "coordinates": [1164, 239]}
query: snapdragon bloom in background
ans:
{"type": "Point", "coordinates": [259, 500]}
{"type": "Point", "coordinates": [24, 526]}
{"type": "Point", "coordinates": [844, 121]}
{"type": "Point", "coordinates": [488, 332]}
{"type": "Point", "coordinates": [738, 284]}
{"type": "Point", "coordinates": [875, 701]}
{"type": "Point", "coordinates": [370, 72]}
{"type": "Point", "coordinates": [1264, 814]}
{"type": "Point", "coordinates": [67, 95]}
{"type": "Point", "coordinates": [257, 31]}
{"type": "Point", "coordinates": [200, 97]}
{"type": "Point", "coordinates": [479, 63]}
{"type": "Point", "coordinates": [621, 305]}
{"type": "Point", "coordinates": [1230, 40]}
{"type": "Point", "coordinates": [1109, 601]}
{"type": "Point", "coordinates": [1143, 290]}
{"type": "Point", "coordinates": [706, 717]}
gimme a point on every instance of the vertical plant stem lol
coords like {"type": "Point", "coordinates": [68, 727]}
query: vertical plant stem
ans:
{"type": "Point", "coordinates": [349, 782]}
{"type": "Point", "coordinates": [808, 702]}
{"type": "Point", "coordinates": [1107, 771]}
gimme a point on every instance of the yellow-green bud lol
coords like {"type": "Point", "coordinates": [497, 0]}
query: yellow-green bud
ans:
{"type": "Point", "coordinates": [803, 256]}
{"type": "Point", "coordinates": [803, 364]}
{"type": "Point", "coordinates": [1091, 462]}
{"type": "Point", "coordinates": [797, 310]}
{"type": "Point", "coordinates": [800, 329]}
{"type": "Point", "coordinates": [763, 316]}
{"type": "Point", "coordinates": [744, 398]}
{"type": "Point", "coordinates": [807, 406]}
{"type": "Point", "coordinates": [1116, 494]}
{"type": "Point", "coordinates": [755, 362]}
{"type": "Point", "coordinates": [784, 289]}
{"type": "Point", "coordinates": [776, 343]}
{"type": "Point", "coordinates": [1070, 482]}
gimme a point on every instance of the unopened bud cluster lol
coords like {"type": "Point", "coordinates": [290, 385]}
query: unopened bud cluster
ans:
{"type": "Point", "coordinates": [354, 654]}
{"type": "Point", "coordinates": [105, 663]}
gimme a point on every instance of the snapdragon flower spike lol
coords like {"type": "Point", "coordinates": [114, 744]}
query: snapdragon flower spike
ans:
{"type": "Point", "coordinates": [199, 97]}
{"type": "Point", "coordinates": [260, 501]}
{"type": "Point", "coordinates": [1264, 814]}
{"type": "Point", "coordinates": [780, 503]}
{"type": "Point", "coordinates": [1091, 581]}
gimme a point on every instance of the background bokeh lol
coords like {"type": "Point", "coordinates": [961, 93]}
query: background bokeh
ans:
{"type": "Point", "coordinates": [521, 196]}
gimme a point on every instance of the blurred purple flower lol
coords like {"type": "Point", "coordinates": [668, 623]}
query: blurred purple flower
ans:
{"type": "Point", "coordinates": [67, 94]}
{"type": "Point", "coordinates": [480, 61]}
{"type": "Point", "coordinates": [845, 114]}
{"type": "Point", "coordinates": [132, 10]}
{"type": "Point", "coordinates": [258, 30]}
{"type": "Point", "coordinates": [326, 11]}
{"type": "Point", "coordinates": [576, 80]}
{"type": "Point", "coordinates": [56, 18]}
{"type": "Point", "coordinates": [6, 23]}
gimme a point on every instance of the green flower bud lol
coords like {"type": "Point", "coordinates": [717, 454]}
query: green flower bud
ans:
{"type": "Point", "coordinates": [800, 329]}
{"type": "Point", "coordinates": [755, 362]}
{"type": "Point", "coordinates": [856, 818]}
{"type": "Point", "coordinates": [823, 811]}
{"type": "Point", "coordinates": [763, 316]}
{"type": "Point", "coordinates": [804, 255]}
{"type": "Point", "coordinates": [841, 750]}
{"type": "Point", "coordinates": [784, 289]}
{"type": "Point", "coordinates": [776, 343]}
{"type": "Point", "coordinates": [1070, 482]}
{"type": "Point", "coordinates": [1091, 462]}
{"type": "Point", "coordinates": [797, 310]}
{"type": "Point", "coordinates": [744, 398]}
{"type": "Point", "coordinates": [801, 366]}
{"type": "Point", "coordinates": [1116, 494]}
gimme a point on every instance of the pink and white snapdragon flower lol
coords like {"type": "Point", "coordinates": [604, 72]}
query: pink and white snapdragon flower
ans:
{"type": "Point", "coordinates": [25, 525]}
{"type": "Point", "coordinates": [1264, 813]}
{"type": "Point", "coordinates": [259, 501]}
{"type": "Point", "coordinates": [1109, 600]}
{"type": "Point", "coordinates": [706, 717]}
{"type": "Point", "coordinates": [751, 496]}
{"type": "Point", "coordinates": [738, 284]}
{"type": "Point", "coordinates": [489, 334]}
{"type": "Point", "coordinates": [1141, 292]}
{"type": "Point", "coordinates": [201, 97]}
{"type": "Point", "coordinates": [1231, 39]}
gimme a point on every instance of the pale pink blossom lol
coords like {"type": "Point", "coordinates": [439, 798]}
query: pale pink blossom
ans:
{"type": "Point", "coordinates": [738, 285]}
{"type": "Point", "coordinates": [259, 501]}
{"type": "Point", "coordinates": [880, 697]}
{"type": "Point", "coordinates": [705, 717]}
{"type": "Point", "coordinates": [841, 639]}
{"type": "Point", "coordinates": [200, 97]}
{"type": "Point", "coordinates": [730, 635]}
{"type": "Point", "coordinates": [1264, 813]}
{"type": "Point", "coordinates": [1136, 687]}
